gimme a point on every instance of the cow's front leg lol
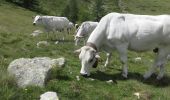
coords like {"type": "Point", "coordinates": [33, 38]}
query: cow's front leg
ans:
{"type": "Point", "coordinates": [125, 66]}
{"type": "Point", "coordinates": [84, 39]}
{"type": "Point", "coordinates": [122, 49]}
{"type": "Point", "coordinates": [47, 35]}
{"type": "Point", "coordinates": [108, 59]}
{"type": "Point", "coordinates": [76, 40]}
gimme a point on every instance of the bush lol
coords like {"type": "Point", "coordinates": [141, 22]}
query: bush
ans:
{"type": "Point", "coordinates": [29, 4]}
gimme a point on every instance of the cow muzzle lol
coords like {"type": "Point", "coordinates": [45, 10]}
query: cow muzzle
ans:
{"type": "Point", "coordinates": [85, 75]}
{"type": "Point", "coordinates": [34, 24]}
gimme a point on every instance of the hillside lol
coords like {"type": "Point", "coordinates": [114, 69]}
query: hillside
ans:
{"type": "Point", "coordinates": [132, 6]}
{"type": "Point", "coordinates": [16, 42]}
{"type": "Point", "coordinates": [154, 7]}
{"type": "Point", "coordinates": [17, 20]}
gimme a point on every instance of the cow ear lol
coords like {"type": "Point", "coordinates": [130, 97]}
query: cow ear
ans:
{"type": "Point", "coordinates": [77, 51]}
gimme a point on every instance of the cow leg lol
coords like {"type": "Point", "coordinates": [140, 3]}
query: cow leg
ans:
{"type": "Point", "coordinates": [84, 40]}
{"type": "Point", "coordinates": [150, 72]}
{"type": "Point", "coordinates": [122, 49]}
{"type": "Point", "coordinates": [108, 59]}
{"type": "Point", "coordinates": [47, 35]}
{"type": "Point", "coordinates": [53, 35]}
{"type": "Point", "coordinates": [64, 33]}
{"type": "Point", "coordinates": [161, 73]}
{"type": "Point", "coordinates": [63, 38]}
{"type": "Point", "coordinates": [160, 61]}
{"type": "Point", "coordinates": [48, 32]}
{"type": "Point", "coordinates": [76, 41]}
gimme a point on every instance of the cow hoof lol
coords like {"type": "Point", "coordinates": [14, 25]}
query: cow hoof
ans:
{"type": "Point", "coordinates": [85, 75]}
{"type": "Point", "coordinates": [159, 77]}
{"type": "Point", "coordinates": [124, 75]}
{"type": "Point", "coordinates": [146, 76]}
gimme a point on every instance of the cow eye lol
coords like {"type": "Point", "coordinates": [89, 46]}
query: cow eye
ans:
{"type": "Point", "coordinates": [91, 59]}
{"type": "Point", "coordinates": [39, 19]}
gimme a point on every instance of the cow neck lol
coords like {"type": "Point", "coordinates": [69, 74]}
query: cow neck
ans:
{"type": "Point", "coordinates": [91, 45]}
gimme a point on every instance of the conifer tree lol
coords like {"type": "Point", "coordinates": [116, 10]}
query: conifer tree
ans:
{"type": "Point", "coordinates": [98, 9]}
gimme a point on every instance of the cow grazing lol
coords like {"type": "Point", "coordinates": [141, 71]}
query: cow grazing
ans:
{"type": "Point", "coordinates": [51, 23]}
{"type": "Point", "coordinates": [123, 32]}
{"type": "Point", "coordinates": [84, 31]}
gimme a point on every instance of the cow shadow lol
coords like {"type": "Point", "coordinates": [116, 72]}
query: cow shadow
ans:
{"type": "Point", "coordinates": [102, 76]}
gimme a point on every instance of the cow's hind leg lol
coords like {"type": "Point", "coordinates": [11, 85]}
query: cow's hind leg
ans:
{"type": "Point", "coordinates": [160, 61]}
{"type": "Point", "coordinates": [122, 49]}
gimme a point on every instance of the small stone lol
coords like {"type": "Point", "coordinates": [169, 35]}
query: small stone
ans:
{"type": "Point", "coordinates": [36, 33]}
{"type": "Point", "coordinates": [56, 42]}
{"type": "Point", "coordinates": [78, 78]}
{"type": "Point", "coordinates": [49, 96]}
{"type": "Point", "coordinates": [42, 43]}
{"type": "Point", "coordinates": [109, 81]}
{"type": "Point", "coordinates": [91, 79]}
{"type": "Point", "coordinates": [137, 94]}
{"type": "Point", "coordinates": [138, 59]}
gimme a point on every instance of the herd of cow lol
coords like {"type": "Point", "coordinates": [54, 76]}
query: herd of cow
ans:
{"type": "Point", "coordinates": [117, 31]}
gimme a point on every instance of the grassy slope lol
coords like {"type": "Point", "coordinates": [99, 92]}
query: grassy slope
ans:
{"type": "Point", "coordinates": [154, 7]}
{"type": "Point", "coordinates": [16, 42]}
{"type": "Point", "coordinates": [15, 19]}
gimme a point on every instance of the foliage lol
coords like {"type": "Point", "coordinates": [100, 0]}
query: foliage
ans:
{"type": "Point", "coordinates": [98, 9]}
{"type": "Point", "coordinates": [71, 10]}
{"type": "Point", "coordinates": [29, 4]}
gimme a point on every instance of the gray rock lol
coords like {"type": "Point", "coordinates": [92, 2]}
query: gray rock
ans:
{"type": "Point", "coordinates": [33, 71]}
{"type": "Point", "coordinates": [60, 61]}
{"type": "Point", "coordinates": [42, 43]}
{"type": "Point", "coordinates": [36, 33]}
{"type": "Point", "coordinates": [49, 96]}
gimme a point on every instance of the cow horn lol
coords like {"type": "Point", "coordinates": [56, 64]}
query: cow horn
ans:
{"type": "Point", "coordinates": [97, 56]}
{"type": "Point", "coordinates": [77, 51]}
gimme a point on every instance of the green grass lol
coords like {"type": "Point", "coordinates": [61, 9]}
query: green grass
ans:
{"type": "Point", "coordinates": [154, 7]}
{"type": "Point", "coordinates": [16, 42]}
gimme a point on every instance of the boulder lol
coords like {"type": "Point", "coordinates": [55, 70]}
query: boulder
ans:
{"type": "Point", "coordinates": [42, 43]}
{"type": "Point", "coordinates": [33, 71]}
{"type": "Point", "coordinates": [49, 96]}
{"type": "Point", "coordinates": [36, 33]}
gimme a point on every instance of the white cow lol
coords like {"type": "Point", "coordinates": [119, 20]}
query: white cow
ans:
{"type": "Point", "coordinates": [125, 32]}
{"type": "Point", "coordinates": [51, 23]}
{"type": "Point", "coordinates": [84, 31]}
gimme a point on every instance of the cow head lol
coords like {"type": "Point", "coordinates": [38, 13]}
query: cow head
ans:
{"type": "Point", "coordinates": [37, 20]}
{"type": "Point", "coordinates": [89, 58]}
{"type": "Point", "coordinates": [77, 39]}
{"type": "Point", "coordinates": [79, 34]}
